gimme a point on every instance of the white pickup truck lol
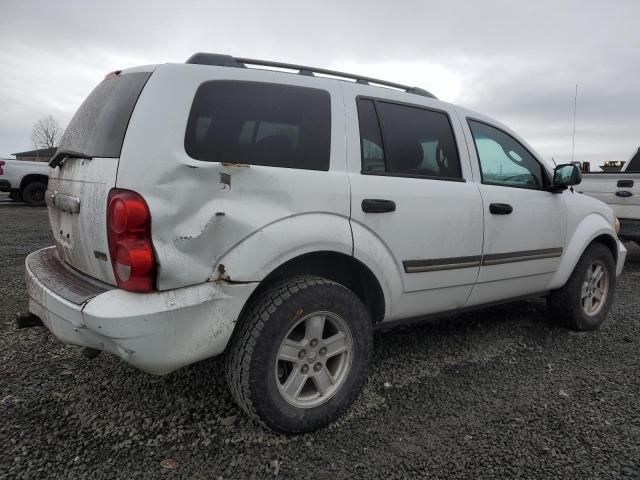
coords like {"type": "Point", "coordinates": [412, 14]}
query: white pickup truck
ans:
{"type": "Point", "coordinates": [621, 191]}
{"type": "Point", "coordinates": [24, 180]}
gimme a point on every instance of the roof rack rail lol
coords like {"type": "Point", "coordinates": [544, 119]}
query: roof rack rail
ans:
{"type": "Point", "coordinates": [230, 61]}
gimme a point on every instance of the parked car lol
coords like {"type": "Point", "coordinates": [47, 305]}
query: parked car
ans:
{"type": "Point", "coordinates": [214, 208]}
{"type": "Point", "coordinates": [621, 191]}
{"type": "Point", "coordinates": [24, 180]}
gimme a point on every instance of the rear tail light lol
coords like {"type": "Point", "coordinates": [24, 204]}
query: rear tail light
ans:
{"type": "Point", "coordinates": [129, 235]}
{"type": "Point", "coordinates": [1, 165]}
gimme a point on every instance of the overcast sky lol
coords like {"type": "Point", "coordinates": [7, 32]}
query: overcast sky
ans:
{"type": "Point", "coordinates": [516, 61]}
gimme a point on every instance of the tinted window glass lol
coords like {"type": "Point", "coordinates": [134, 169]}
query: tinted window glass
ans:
{"type": "Point", "coordinates": [634, 163]}
{"type": "Point", "coordinates": [98, 127]}
{"type": "Point", "coordinates": [418, 141]}
{"type": "Point", "coordinates": [503, 160]}
{"type": "Point", "coordinates": [370, 138]}
{"type": "Point", "coordinates": [260, 124]}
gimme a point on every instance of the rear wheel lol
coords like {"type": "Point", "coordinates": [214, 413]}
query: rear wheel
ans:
{"type": "Point", "coordinates": [33, 194]}
{"type": "Point", "coordinates": [584, 301]}
{"type": "Point", "coordinates": [300, 354]}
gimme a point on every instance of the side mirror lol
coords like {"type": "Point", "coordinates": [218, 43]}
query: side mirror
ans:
{"type": "Point", "coordinates": [566, 175]}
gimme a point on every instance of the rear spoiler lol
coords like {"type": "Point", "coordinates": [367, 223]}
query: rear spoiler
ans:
{"type": "Point", "coordinates": [62, 153]}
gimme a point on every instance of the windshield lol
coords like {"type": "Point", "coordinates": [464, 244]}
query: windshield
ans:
{"type": "Point", "coordinates": [98, 127]}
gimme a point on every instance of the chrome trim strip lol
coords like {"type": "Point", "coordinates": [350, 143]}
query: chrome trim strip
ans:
{"type": "Point", "coordinates": [524, 256]}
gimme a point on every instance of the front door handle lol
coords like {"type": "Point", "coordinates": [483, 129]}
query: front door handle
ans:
{"type": "Point", "coordinates": [376, 205]}
{"type": "Point", "coordinates": [500, 208]}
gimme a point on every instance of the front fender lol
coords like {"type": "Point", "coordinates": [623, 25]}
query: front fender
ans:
{"type": "Point", "coordinates": [591, 227]}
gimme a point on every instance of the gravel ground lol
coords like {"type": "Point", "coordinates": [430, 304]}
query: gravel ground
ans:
{"type": "Point", "coordinates": [497, 393]}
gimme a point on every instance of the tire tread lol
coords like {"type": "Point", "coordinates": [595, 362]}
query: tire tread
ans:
{"type": "Point", "coordinates": [241, 347]}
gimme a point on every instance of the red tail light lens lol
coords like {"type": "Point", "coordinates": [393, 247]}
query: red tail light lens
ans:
{"type": "Point", "coordinates": [129, 235]}
{"type": "Point", "coordinates": [1, 165]}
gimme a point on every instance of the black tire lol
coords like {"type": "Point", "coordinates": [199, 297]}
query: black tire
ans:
{"type": "Point", "coordinates": [33, 194]}
{"type": "Point", "coordinates": [251, 362]}
{"type": "Point", "coordinates": [15, 196]}
{"type": "Point", "coordinates": [565, 304]}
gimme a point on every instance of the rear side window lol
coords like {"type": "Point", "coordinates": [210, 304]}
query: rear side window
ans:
{"type": "Point", "coordinates": [98, 127]}
{"type": "Point", "coordinates": [260, 124]}
{"type": "Point", "coordinates": [413, 141]}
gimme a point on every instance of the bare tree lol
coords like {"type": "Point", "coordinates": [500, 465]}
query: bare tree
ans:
{"type": "Point", "coordinates": [46, 133]}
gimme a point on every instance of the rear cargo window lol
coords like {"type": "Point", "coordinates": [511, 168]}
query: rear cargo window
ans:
{"type": "Point", "coordinates": [260, 124]}
{"type": "Point", "coordinates": [98, 127]}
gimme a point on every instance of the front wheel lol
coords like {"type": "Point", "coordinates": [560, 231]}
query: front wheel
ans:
{"type": "Point", "coordinates": [585, 300]}
{"type": "Point", "coordinates": [300, 354]}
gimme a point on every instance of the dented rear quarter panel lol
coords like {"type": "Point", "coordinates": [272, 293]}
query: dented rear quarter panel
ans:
{"type": "Point", "coordinates": [263, 217]}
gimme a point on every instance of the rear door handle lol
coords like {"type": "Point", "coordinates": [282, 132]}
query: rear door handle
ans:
{"type": "Point", "coordinates": [625, 183]}
{"type": "Point", "coordinates": [376, 205]}
{"type": "Point", "coordinates": [500, 208]}
{"type": "Point", "coordinates": [624, 194]}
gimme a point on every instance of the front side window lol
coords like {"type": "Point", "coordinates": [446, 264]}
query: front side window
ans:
{"type": "Point", "coordinates": [503, 160]}
{"type": "Point", "coordinates": [406, 140]}
{"type": "Point", "coordinates": [260, 124]}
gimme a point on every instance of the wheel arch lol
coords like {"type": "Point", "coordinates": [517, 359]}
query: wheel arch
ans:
{"type": "Point", "coordinates": [593, 229]}
{"type": "Point", "coordinates": [608, 241]}
{"type": "Point", "coordinates": [33, 177]}
{"type": "Point", "coordinates": [338, 267]}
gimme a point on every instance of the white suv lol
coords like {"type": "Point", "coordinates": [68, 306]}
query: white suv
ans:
{"type": "Point", "coordinates": [279, 217]}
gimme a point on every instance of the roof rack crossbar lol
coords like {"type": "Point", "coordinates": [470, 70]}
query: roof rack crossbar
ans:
{"type": "Point", "coordinates": [229, 61]}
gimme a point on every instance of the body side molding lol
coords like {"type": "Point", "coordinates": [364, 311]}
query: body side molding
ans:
{"type": "Point", "coordinates": [431, 265]}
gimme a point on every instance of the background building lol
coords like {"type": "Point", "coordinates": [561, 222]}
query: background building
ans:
{"type": "Point", "coordinates": [40, 155]}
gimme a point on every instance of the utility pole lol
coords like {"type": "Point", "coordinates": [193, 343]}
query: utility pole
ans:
{"type": "Point", "coordinates": [573, 138]}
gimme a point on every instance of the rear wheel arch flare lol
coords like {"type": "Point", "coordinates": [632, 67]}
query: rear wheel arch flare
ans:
{"type": "Point", "coordinates": [338, 267]}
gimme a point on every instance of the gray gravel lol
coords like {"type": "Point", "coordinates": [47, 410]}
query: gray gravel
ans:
{"type": "Point", "coordinates": [498, 393]}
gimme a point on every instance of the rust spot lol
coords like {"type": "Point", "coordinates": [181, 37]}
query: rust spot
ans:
{"type": "Point", "coordinates": [221, 269]}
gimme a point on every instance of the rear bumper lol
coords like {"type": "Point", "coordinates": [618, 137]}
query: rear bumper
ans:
{"type": "Point", "coordinates": [156, 332]}
{"type": "Point", "coordinates": [5, 185]}
{"type": "Point", "coordinates": [629, 229]}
